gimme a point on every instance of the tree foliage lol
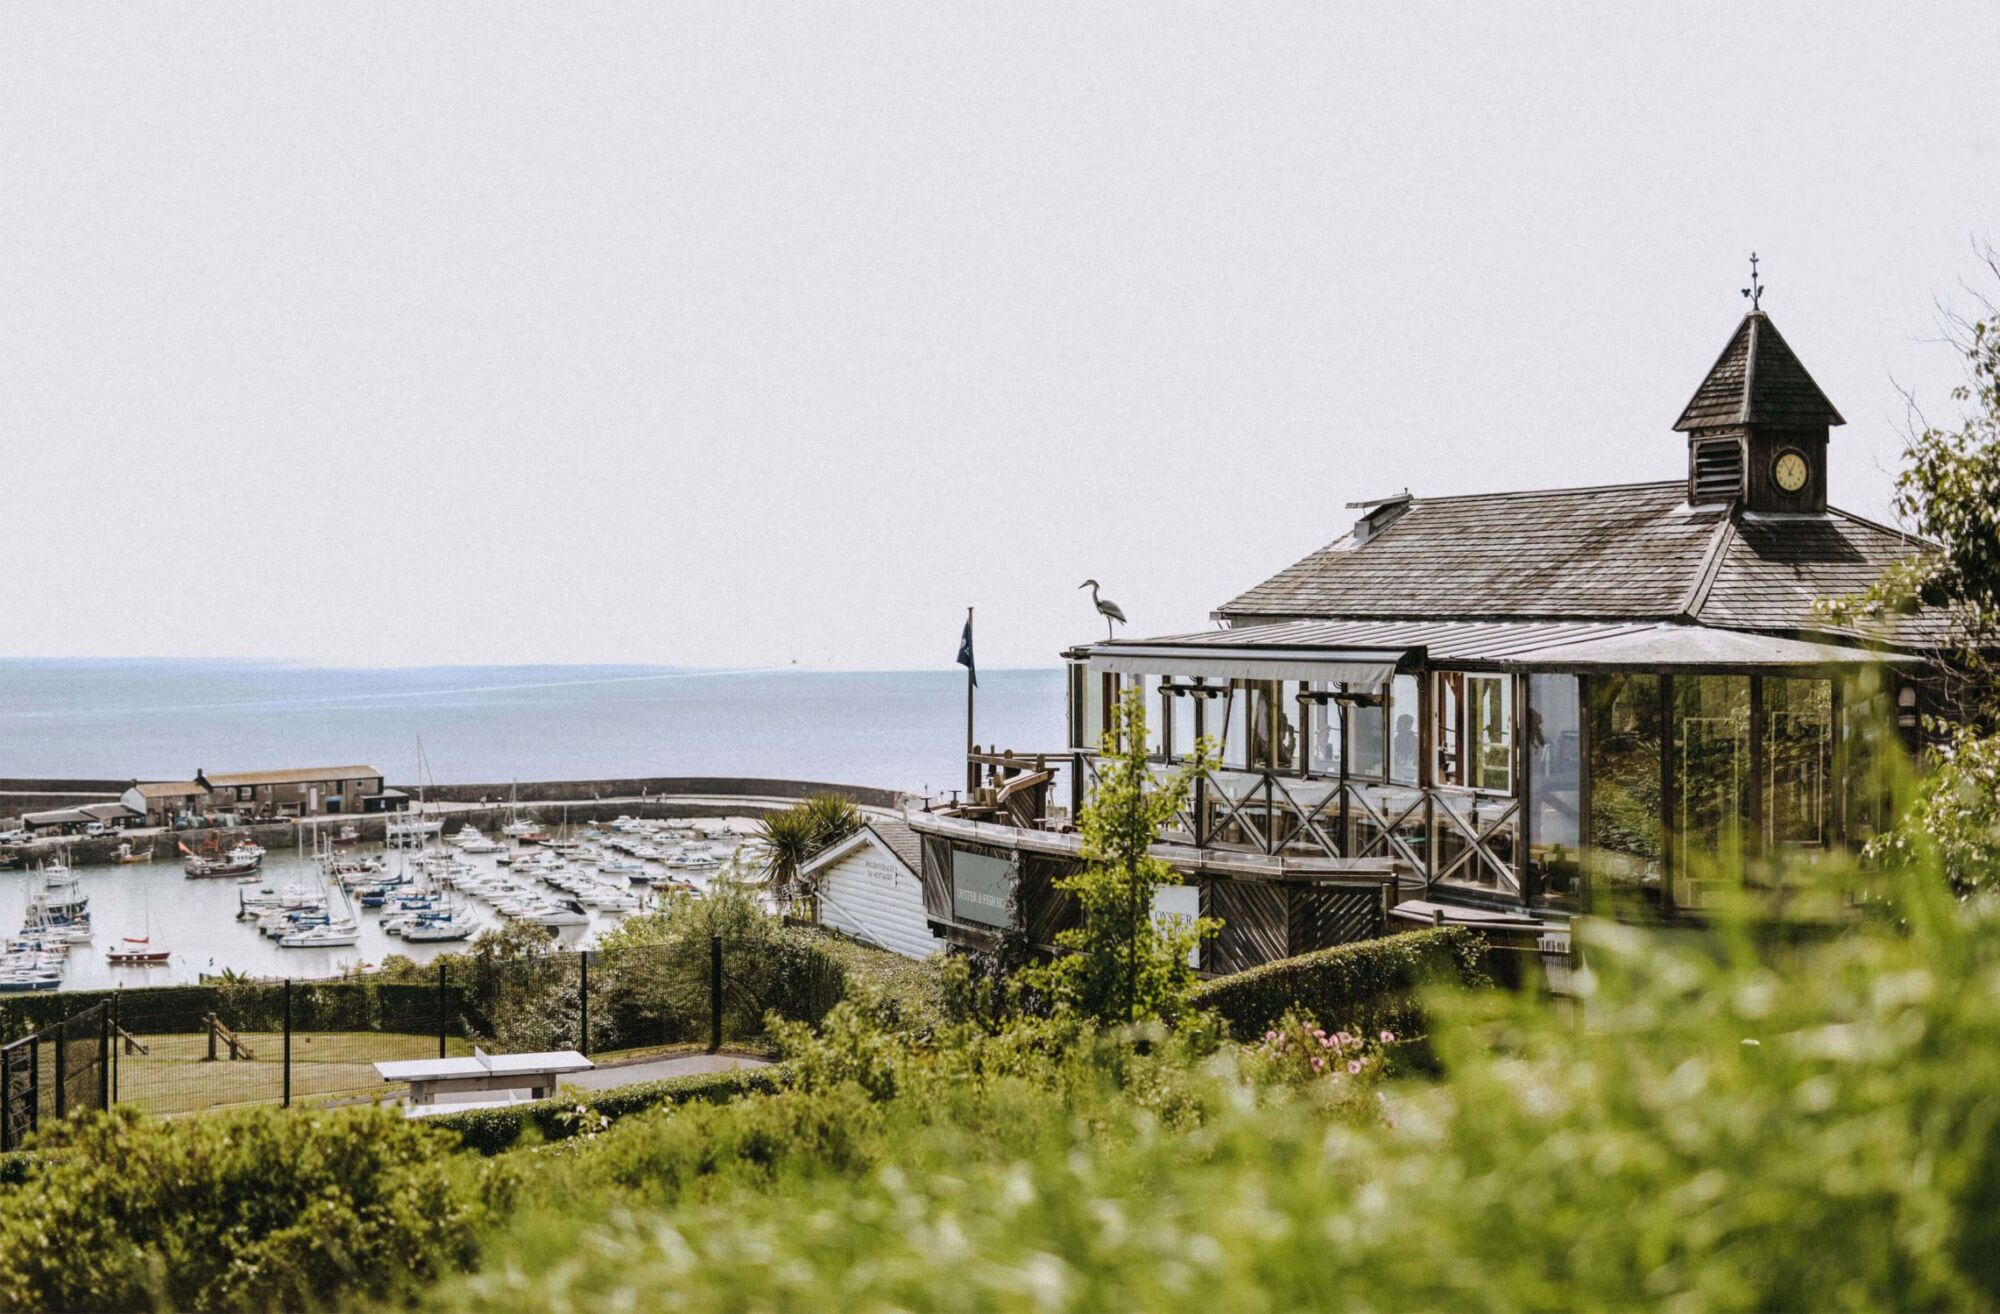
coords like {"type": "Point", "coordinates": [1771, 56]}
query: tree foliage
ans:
{"type": "Point", "coordinates": [1121, 963]}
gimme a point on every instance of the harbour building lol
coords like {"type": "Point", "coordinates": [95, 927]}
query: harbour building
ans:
{"type": "Point", "coordinates": [1495, 709]}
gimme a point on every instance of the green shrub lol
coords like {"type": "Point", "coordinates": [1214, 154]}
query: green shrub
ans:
{"type": "Point", "coordinates": [1371, 983]}
{"type": "Point", "coordinates": [489, 1131]}
{"type": "Point", "coordinates": [263, 1209]}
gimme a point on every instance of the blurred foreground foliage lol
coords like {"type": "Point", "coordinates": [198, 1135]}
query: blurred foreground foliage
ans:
{"type": "Point", "coordinates": [1717, 1123]}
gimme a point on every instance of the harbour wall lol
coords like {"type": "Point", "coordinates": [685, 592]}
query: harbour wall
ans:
{"type": "Point", "coordinates": [484, 806]}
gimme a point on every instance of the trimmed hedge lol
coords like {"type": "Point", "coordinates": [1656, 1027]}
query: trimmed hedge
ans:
{"type": "Point", "coordinates": [1368, 982]}
{"type": "Point", "coordinates": [489, 1131]}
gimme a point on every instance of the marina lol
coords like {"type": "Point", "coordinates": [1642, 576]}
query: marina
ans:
{"type": "Point", "coordinates": [303, 915]}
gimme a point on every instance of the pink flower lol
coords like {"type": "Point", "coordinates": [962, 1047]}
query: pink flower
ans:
{"type": "Point", "coordinates": [1272, 1035]}
{"type": "Point", "coordinates": [1354, 1067]}
{"type": "Point", "coordinates": [1343, 1037]}
{"type": "Point", "coordinates": [1319, 1064]}
{"type": "Point", "coordinates": [1388, 1037]}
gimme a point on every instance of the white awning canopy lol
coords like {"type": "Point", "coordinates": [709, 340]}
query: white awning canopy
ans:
{"type": "Point", "coordinates": [1358, 666]}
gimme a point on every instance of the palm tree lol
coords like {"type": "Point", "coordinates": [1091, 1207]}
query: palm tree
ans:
{"type": "Point", "coordinates": [790, 838]}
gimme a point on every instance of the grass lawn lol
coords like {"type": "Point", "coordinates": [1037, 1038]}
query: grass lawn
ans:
{"type": "Point", "coordinates": [176, 1077]}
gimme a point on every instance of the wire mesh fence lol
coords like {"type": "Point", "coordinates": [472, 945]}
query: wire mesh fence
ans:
{"type": "Point", "coordinates": [55, 1072]}
{"type": "Point", "coordinates": [184, 1049]}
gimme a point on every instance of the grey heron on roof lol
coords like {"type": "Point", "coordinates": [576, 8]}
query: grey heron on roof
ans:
{"type": "Point", "coordinates": [1106, 608]}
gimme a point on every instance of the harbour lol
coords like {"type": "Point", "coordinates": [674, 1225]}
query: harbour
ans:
{"type": "Point", "coordinates": [577, 886]}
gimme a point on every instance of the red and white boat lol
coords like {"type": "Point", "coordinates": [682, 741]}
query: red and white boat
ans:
{"type": "Point", "coordinates": [137, 950]}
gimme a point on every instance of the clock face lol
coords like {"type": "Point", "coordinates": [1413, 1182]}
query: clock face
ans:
{"type": "Point", "coordinates": [1790, 471]}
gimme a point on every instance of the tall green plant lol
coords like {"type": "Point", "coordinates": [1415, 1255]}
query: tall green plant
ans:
{"type": "Point", "coordinates": [789, 839]}
{"type": "Point", "coordinates": [1121, 964]}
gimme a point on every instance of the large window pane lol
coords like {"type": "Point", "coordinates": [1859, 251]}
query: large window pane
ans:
{"type": "Point", "coordinates": [1367, 740]}
{"type": "Point", "coordinates": [1711, 783]}
{"type": "Point", "coordinates": [1490, 725]}
{"type": "Point", "coordinates": [1229, 722]}
{"type": "Point", "coordinates": [1798, 762]}
{"type": "Point", "coordinates": [1555, 778]}
{"type": "Point", "coordinates": [1184, 733]}
{"type": "Point", "coordinates": [1869, 753]}
{"type": "Point", "coordinates": [1325, 738]}
{"type": "Point", "coordinates": [1404, 744]}
{"type": "Point", "coordinates": [1623, 711]}
{"type": "Point", "coordinates": [1448, 732]}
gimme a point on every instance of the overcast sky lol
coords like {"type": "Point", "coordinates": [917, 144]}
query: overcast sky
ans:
{"type": "Point", "coordinates": [749, 334]}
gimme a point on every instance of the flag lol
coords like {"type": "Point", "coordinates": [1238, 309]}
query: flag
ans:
{"type": "Point", "coordinates": [965, 653]}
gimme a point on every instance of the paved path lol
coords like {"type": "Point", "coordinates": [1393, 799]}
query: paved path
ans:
{"type": "Point", "coordinates": [681, 1065]}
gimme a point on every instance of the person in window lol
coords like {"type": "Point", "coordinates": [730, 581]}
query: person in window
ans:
{"type": "Point", "coordinates": [1403, 751]}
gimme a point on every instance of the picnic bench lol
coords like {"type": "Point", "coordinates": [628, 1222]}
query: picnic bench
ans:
{"type": "Point", "coordinates": [483, 1081]}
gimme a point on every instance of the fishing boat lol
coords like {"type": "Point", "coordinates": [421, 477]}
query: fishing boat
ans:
{"type": "Point", "coordinates": [346, 836]}
{"type": "Point", "coordinates": [211, 861]}
{"type": "Point", "coordinates": [130, 852]}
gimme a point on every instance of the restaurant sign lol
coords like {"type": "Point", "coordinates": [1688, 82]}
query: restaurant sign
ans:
{"type": "Point", "coordinates": [981, 888]}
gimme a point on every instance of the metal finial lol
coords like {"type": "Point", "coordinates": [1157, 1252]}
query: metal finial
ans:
{"type": "Point", "coordinates": [1756, 289]}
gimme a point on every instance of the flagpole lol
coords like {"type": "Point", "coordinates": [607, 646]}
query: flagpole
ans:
{"type": "Point", "coordinates": [971, 682]}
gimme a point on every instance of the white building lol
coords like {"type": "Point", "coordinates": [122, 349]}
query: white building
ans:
{"type": "Point", "coordinates": [868, 888]}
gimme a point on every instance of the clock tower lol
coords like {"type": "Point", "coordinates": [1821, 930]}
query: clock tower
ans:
{"type": "Point", "coordinates": [1757, 427]}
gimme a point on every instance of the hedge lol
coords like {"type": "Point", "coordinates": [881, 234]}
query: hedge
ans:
{"type": "Point", "coordinates": [489, 1131]}
{"type": "Point", "coordinates": [1368, 982]}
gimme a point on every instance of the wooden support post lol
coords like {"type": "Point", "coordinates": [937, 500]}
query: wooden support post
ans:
{"type": "Point", "coordinates": [288, 1043]}
{"type": "Point", "coordinates": [583, 1002]}
{"type": "Point", "coordinates": [6, 1099]}
{"type": "Point", "coordinates": [714, 993]}
{"type": "Point", "coordinates": [444, 1006]}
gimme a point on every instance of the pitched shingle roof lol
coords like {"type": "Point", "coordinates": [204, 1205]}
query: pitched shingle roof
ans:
{"type": "Point", "coordinates": [1757, 380]}
{"type": "Point", "coordinates": [1628, 552]}
{"type": "Point", "coordinates": [902, 841]}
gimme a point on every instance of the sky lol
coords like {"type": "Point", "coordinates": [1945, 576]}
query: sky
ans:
{"type": "Point", "coordinates": [751, 335]}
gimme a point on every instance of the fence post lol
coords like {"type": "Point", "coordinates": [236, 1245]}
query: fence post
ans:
{"type": "Point", "coordinates": [104, 1055]}
{"type": "Point", "coordinates": [62, 1068]}
{"type": "Point", "coordinates": [443, 1009]}
{"type": "Point", "coordinates": [117, 1032]}
{"type": "Point", "coordinates": [714, 993]}
{"type": "Point", "coordinates": [35, 1084]}
{"type": "Point", "coordinates": [7, 1098]}
{"type": "Point", "coordinates": [583, 1001]}
{"type": "Point", "coordinates": [288, 1042]}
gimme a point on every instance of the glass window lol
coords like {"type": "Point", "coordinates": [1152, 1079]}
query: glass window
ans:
{"type": "Point", "coordinates": [1798, 761]}
{"type": "Point", "coordinates": [1448, 733]}
{"type": "Point", "coordinates": [1867, 744]}
{"type": "Point", "coordinates": [1623, 715]}
{"type": "Point", "coordinates": [1489, 709]}
{"type": "Point", "coordinates": [1403, 738]}
{"type": "Point", "coordinates": [1555, 779]}
{"type": "Point", "coordinates": [1324, 737]}
{"type": "Point", "coordinates": [1229, 722]}
{"type": "Point", "coordinates": [1711, 783]}
{"type": "Point", "coordinates": [1367, 742]}
{"type": "Point", "coordinates": [1184, 733]}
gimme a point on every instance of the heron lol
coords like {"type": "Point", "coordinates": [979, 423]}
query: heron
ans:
{"type": "Point", "coordinates": [1106, 608]}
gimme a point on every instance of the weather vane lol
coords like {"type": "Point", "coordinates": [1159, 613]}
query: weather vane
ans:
{"type": "Point", "coordinates": [1756, 289]}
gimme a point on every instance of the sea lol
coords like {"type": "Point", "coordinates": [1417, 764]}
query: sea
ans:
{"type": "Point", "coordinates": [165, 720]}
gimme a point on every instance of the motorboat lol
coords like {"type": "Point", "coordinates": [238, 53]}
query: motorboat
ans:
{"type": "Point", "coordinates": [324, 935]}
{"type": "Point", "coordinates": [128, 852]}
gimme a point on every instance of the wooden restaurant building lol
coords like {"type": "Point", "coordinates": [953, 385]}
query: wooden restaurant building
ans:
{"type": "Point", "coordinates": [1494, 708]}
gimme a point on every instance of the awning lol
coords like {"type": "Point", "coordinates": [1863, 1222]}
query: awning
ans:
{"type": "Point", "coordinates": [1361, 666]}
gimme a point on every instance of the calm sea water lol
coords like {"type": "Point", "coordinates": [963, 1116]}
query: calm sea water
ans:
{"type": "Point", "coordinates": [168, 719]}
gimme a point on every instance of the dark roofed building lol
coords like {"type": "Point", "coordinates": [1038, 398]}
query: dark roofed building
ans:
{"type": "Point", "coordinates": [1499, 706]}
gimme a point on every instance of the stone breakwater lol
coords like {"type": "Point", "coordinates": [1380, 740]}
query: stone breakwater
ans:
{"type": "Point", "coordinates": [484, 806]}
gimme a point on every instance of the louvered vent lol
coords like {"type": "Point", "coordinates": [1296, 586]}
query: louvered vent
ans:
{"type": "Point", "coordinates": [1718, 471]}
